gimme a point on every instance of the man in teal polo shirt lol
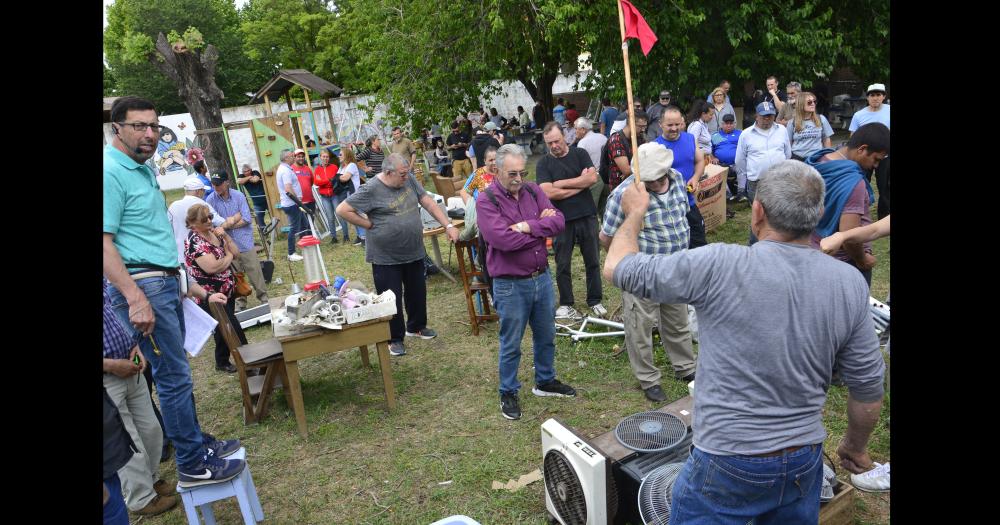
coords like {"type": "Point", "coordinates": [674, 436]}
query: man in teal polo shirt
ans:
{"type": "Point", "coordinates": [140, 261]}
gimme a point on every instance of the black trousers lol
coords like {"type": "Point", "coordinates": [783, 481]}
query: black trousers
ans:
{"type": "Point", "coordinates": [882, 182]}
{"type": "Point", "coordinates": [697, 224]}
{"type": "Point", "coordinates": [221, 348]}
{"type": "Point", "coordinates": [409, 279]}
{"type": "Point", "coordinates": [584, 232]}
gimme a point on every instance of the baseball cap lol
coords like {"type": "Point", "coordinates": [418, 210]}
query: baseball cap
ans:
{"type": "Point", "coordinates": [654, 161]}
{"type": "Point", "coordinates": [665, 94]}
{"type": "Point", "coordinates": [194, 183]}
{"type": "Point", "coordinates": [219, 178]}
{"type": "Point", "coordinates": [300, 150]}
{"type": "Point", "coordinates": [729, 117]}
{"type": "Point", "coordinates": [765, 108]}
{"type": "Point", "coordinates": [875, 87]}
{"type": "Point", "coordinates": [491, 126]}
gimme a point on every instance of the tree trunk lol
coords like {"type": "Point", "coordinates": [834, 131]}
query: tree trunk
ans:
{"type": "Point", "coordinates": [194, 76]}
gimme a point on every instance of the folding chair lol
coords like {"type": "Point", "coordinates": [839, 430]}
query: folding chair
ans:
{"type": "Point", "coordinates": [265, 357]}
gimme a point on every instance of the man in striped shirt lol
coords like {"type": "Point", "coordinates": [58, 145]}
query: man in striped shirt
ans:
{"type": "Point", "coordinates": [665, 231]}
{"type": "Point", "coordinates": [230, 203]}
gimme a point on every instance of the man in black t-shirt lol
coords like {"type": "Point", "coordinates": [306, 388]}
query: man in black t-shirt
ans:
{"type": "Point", "coordinates": [566, 174]}
{"type": "Point", "coordinates": [251, 180]}
{"type": "Point", "coordinates": [457, 143]}
{"type": "Point", "coordinates": [483, 141]}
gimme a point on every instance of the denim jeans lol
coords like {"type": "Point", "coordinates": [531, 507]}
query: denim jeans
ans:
{"type": "Point", "coordinates": [259, 207]}
{"type": "Point", "coordinates": [734, 490]}
{"type": "Point", "coordinates": [358, 229]}
{"type": "Point", "coordinates": [114, 509]}
{"type": "Point", "coordinates": [520, 302]}
{"type": "Point", "coordinates": [170, 369]}
{"type": "Point", "coordinates": [297, 222]}
{"type": "Point", "coordinates": [329, 207]}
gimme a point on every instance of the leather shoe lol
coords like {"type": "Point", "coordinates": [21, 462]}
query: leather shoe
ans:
{"type": "Point", "coordinates": [655, 394]}
{"type": "Point", "coordinates": [228, 368]}
{"type": "Point", "coordinates": [163, 489]}
{"type": "Point", "coordinates": [158, 505]}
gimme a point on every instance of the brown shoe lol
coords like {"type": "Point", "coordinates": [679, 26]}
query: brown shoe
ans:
{"type": "Point", "coordinates": [158, 505]}
{"type": "Point", "coordinates": [163, 489]}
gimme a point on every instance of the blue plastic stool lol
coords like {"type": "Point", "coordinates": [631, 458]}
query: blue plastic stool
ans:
{"type": "Point", "coordinates": [242, 487]}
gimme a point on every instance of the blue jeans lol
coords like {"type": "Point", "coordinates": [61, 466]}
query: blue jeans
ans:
{"type": "Point", "coordinates": [297, 222]}
{"type": "Point", "coordinates": [329, 207]}
{"type": "Point", "coordinates": [734, 490]}
{"type": "Point", "coordinates": [259, 207]}
{"type": "Point", "coordinates": [171, 370]}
{"type": "Point", "coordinates": [114, 510]}
{"type": "Point", "coordinates": [520, 302]}
{"type": "Point", "coordinates": [343, 222]}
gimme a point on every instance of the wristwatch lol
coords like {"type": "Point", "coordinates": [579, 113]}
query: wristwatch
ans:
{"type": "Point", "coordinates": [449, 225]}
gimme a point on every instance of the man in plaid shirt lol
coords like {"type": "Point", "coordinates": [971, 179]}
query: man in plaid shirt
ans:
{"type": "Point", "coordinates": [665, 231]}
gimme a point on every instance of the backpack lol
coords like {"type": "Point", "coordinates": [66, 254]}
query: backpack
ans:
{"type": "Point", "coordinates": [605, 169]}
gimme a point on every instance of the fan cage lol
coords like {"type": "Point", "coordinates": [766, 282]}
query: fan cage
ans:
{"type": "Point", "coordinates": [654, 494]}
{"type": "Point", "coordinates": [651, 431]}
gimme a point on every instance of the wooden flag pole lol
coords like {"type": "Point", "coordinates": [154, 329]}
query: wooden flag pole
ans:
{"type": "Point", "coordinates": [628, 91]}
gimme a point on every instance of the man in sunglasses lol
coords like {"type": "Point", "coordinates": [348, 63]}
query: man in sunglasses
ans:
{"type": "Point", "coordinates": [140, 262]}
{"type": "Point", "coordinates": [653, 114]}
{"type": "Point", "coordinates": [514, 219]}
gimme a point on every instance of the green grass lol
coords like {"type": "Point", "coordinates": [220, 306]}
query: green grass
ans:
{"type": "Point", "coordinates": [361, 464]}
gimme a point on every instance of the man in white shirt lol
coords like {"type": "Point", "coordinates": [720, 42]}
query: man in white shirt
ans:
{"type": "Point", "coordinates": [288, 182]}
{"type": "Point", "coordinates": [761, 146]}
{"type": "Point", "coordinates": [591, 143]}
{"type": "Point", "coordinates": [194, 193]}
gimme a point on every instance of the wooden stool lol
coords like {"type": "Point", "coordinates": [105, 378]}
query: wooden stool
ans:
{"type": "Point", "coordinates": [242, 487]}
{"type": "Point", "coordinates": [468, 272]}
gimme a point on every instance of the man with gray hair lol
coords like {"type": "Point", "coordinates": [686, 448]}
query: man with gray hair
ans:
{"type": "Point", "coordinates": [775, 319]}
{"type": "Point", "coordinates": [394, 245]}
{"type": "Point", "coordinates": [787, 111]}
{"type": "Point", "coordinates": [517, 260]}
{"type": "Point", "coordinates": [592, 143]}
{"type": "Point", "coordinates": [288, 182]}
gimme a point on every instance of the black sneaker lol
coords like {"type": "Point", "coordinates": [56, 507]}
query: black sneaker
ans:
{"type": "Point", "coordinates": [688, 378]}
{"type": "Point", "coordinates": [655, 394]}
{"type": "Point", "coordinates": [333, 239]}
{"type": "Point", "coordinates": [209, 469]}
{"type": "Point", "coordinates": [397, 348]}
{"type": "Point", "coordinates": [360, 241]}
{"type": "Point", "coordinates": [510, 407]}
{"type": "Point", "coordinates": [220, 448]}
{"type": "Point", "coordinates": [425, 333]}
{"type": "Point", "coordinates": [227, 368]}
{"type": "Point", "coordinates": [554, 388]}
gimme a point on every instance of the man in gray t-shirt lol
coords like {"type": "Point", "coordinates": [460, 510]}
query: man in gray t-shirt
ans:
{"type": "Point", "coordinates": [395, 242]}
{"type": "Point", "coordinates": [774, 319]}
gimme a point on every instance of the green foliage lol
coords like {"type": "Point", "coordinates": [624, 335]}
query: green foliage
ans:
{"type": "Point", "coordinates": [191, 38]}
{"type": "Point", "coordinates": [283, 33]}
{"type": "Point", "coordinates": [133, 26]}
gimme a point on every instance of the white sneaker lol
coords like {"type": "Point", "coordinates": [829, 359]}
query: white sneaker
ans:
{"type": "Point", "coordinates": [567, 312]}
{"type": "Point", "coordinates": [599, 310]}
{"type": "Point", "coordinates": [875, 480]}
{"type": "Point", "coordinates": [294, 257]}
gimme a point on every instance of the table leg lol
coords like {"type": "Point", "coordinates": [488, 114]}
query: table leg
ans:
{"type": "Point", "coordinates": [364, 355]}
{"type": "Point", "coordinates": [295, 389]}
{"type": "Point", "coordinates": [438, 261]}
{"type": "Point", "coordinates": [383, 361]}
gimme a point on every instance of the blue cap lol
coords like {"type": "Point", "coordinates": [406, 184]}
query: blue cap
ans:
{"type": "Point", "coordinates": [765, 108]}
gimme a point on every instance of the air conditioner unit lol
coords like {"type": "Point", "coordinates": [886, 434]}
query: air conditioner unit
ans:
{"type": "Point", "coordinates": [579, 486]}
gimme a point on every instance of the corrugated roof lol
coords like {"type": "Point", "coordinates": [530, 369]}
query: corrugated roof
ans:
{"type": "Point", "coordinates": [286, 78]}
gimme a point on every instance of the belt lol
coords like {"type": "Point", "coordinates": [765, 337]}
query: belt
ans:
{"type": "Point", "coordinates": [518, 277]}
{"type": "Point", "coordinates": [154, 273]}
{"type": "Point", "coordinates": [787, 450]}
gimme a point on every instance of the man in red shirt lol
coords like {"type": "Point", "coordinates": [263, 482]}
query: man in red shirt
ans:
{"type": "Point", "coordinates": [305, 176]}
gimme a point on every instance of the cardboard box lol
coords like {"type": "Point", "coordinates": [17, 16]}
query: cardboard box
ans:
{"type": "Point", "coordinates": [383, 305]}
{"type": "Point", "coordinates": [711, 198]}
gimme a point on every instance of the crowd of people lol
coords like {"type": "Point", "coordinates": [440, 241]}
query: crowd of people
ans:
{"type": "Point", "coordinates": [805, 196]}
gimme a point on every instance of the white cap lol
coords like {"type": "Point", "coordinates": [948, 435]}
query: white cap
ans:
{"type": "Point", "coordinates": [654, 161]}
{"type": "Point", "coordinates": [876, 87]}
{"type": "Point", "coordinates": [194, 183]}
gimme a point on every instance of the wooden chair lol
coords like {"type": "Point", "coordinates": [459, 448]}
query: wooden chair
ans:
{"type": "Point", "coordinates": [265, 357]}
{"type": "Point", "coordinates": [467, 270]}
{"type": "Point", "coordinates": [444, 186]}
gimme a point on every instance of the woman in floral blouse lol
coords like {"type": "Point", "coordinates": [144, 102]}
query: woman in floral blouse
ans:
{"type": "Point", "coordinates": [481, 178]}
{"type": "Point", "coordinates": [208, 255]}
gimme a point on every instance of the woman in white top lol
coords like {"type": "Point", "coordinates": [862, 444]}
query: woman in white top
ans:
{"type": "Point", "coordinates": [349, 165]}
{"type": "Point", "coordinates": [700, 115]}
{"type": "Point", "coordinates": [722, 108]}
{"type": "Point", "coordinates": [809, 132]}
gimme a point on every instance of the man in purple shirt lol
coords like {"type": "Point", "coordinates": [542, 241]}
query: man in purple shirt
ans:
{"type": "Point", "coordinates": [514, 219]}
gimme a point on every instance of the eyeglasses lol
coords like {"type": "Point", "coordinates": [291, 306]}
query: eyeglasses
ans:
{"type": "Point", "coordinates": [142, 126]}
{"type": "Point", "coordinates": [523, 174]}
{"type": "Point", "coordinates": [664, 98]}
{"type": "Point", "coordinates": [810, 101]}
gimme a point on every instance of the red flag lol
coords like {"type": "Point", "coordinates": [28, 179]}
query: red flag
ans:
{"type": "Point", "coordinates": [636, 27]}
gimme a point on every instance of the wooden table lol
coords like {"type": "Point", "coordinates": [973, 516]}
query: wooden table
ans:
{"type": "Point", "coordinates": [319, 341]}
{"type": "Point", "coordinates": [433, 233]}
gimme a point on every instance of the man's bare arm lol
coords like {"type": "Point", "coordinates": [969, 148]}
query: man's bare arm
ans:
{"type": "Point", "coordinates": [861, 420]}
